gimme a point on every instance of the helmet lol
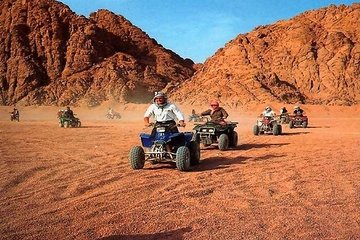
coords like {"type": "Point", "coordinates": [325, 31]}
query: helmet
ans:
{"type": "Point", "coordinates": [214, 103]}
{"type": "Point", "coordinates": [159, 95]}
{"type": "Point", "coordinates": [296, 107]}
{"type": "Point", "coordinates": [268, 109]}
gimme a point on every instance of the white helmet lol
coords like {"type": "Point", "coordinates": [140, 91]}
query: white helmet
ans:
{"type": "Point", "coordinates": [296, 107]}
{"type": "Point", "coordinates": [160, 94]}
{"type": "Point", "coordinates": [268, 109]}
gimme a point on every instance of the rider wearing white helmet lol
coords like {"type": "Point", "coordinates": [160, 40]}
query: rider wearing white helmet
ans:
{"type": "Point", "coordinates": [268, 112]}
{"type": "Point", "coordinates": [163, 111]}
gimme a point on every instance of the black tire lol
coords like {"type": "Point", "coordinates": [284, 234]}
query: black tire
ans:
{"type": "Point", "coordinates": [291, 124]}
{"type": "Point", "coordinates": [78, 124]}
{"type": "Point", "coordinates": [137, 157]}
{"type": "Point", "coordinates": [280, 130]}
{"type": "Point", "coordinates": [183, 158]}
{"type": "Point", "coordinates": [223, 142]}
{"type": "Point", "coordinates": [304, 124]}
{"type": "Point", "coordinates": [66, 124]}
{"type": "Point", "coordinates": [194, 148]}
{"type": "Point", "coordinates": [234, 140]}
{"type": "Point", "coordinates": [256, 130]}
{"type": "Point", "coordinates": [276, 130]}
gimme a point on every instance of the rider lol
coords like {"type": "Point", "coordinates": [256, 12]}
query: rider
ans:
{"type": "Point", "coordinates": [298, 111]}
{"type": "Point", "coordinates": [164, 112]}
{"type": "Point", "coordinates": [268, 112]}
{"type": "Point", "coordinates": [15, 113]}
{"type": "Point", "coordinates": [111, 112]}
{"type": "Point", "coordinates": [283, 110]}
{"type": "Point", "coordinates": [217, 113]}
{"type": "Point", "coordinates": [193, 116]}
{"type": "Point", "coordinates": [68, 112]}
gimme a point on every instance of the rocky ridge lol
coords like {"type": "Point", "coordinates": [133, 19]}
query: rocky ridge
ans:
{"type": "Point", "coordinates": [313, 58]}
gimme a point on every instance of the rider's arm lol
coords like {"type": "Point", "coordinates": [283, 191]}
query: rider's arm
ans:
{"type": "Point", "coordinates": [147, 115]}
{"type": "Point", "coordinates": [224, 113]}
{"type": "Point", "coordinates": [179, 115]}
{"type": "Point", "coordinates": [205, 113]}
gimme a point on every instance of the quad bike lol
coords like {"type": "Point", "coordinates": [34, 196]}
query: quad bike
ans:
{"type": "Point", "coordinates": [66, 121]}
{"type": "Point", "coordinates": [267, 125]}
{"type": "Point", "coordinates": [14, 117]}
{"type": "Point", "coordinates": [113, 116]}
{"type": "Point", "coordinates": [298, 121]}
{"type": "Point", "coordinates": [162, 145]}
{"type": "Point", "coordinates": [220, 133]}
{"type": "Point", "coordinates": [284, 118]}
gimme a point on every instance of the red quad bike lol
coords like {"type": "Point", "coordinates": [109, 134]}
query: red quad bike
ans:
{"type": "Point", "coordinates": [298, 121]}
{"type": "Point", "coordinates": [267, 125]}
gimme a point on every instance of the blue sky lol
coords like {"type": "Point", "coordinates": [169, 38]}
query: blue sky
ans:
{"type": "Point", "coordinates": [195, 29]}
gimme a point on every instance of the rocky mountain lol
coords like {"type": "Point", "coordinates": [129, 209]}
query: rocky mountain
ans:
{"type": "Point", "coordinates": [51, 56]}
{"type": "Point", "coordinates": [312, 58]}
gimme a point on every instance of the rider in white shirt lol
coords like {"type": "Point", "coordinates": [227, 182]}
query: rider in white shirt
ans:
{"type": "Point", "coordinates": [163, 112]}
{"type": "Point", "coordinates": [268, 112]}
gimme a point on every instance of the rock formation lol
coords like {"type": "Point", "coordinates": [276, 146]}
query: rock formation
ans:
{"type": "Point", "coordinates": [49, 55]}
{"type": "Point", "coordinates": [312, 58]}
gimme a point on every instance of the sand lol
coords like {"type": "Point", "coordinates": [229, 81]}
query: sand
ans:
{"type": "Point", "coordinates": [77, 183]}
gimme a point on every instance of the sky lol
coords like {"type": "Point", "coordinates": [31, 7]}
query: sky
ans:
{"type": "Point", "coordinates": [196, 29]}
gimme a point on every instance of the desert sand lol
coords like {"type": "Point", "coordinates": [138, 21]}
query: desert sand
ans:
{"type": "Point", "coordinates": [76, 183]}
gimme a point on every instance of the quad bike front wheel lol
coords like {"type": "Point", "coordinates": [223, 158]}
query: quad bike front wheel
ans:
{"type": "Point", "coordinates": [234, 140]}
{"type": "Point", "coordinates": [194, 148]}
{"type": "Point", "coordinates": [183, 158]}
{"type": "Point", "coordinates": [277, 129]}
{"type": "Point", "coordinates": [223, 142]}
{"type": "Point", "coordinates": [137, 157]}
{"type": "Point", "coordinates": [66, 124]}
{"type": "Point", "coordinates": [256, 130]}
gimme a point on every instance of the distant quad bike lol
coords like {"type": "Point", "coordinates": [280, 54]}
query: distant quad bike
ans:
{"type": "Point", "coordinates": [224, 135]}
{"type": "Point", "coordinates": [267, 125]}
{"type": "Point", "coordinates": [66, 122]}
{"type": "Point", "coordinates": [198, 118]}
{"type": "Point", "coordinates": [113, 116]}
{"type": "Point", "coordinates": [14, 117]}
{"type": "Point", "coordinates": [298, 121]}
{"type": "Point", "coordinates": [284, 118]}
{"type": "Point", "coordinates": [165, 146]}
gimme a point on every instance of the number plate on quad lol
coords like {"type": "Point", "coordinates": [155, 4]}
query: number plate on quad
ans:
{"type": "Point", "coordinates": [160, 129]}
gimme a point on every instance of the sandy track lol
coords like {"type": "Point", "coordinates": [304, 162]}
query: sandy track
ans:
{"type": "Point", "coordinates": [77, 184]}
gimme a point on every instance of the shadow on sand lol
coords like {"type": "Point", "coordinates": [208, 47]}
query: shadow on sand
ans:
{"type": "Point", "coordinates": [259, 145]}
{"type": "Point", "coordinates": [170, 235]}
{"type": "Point", "coordinates": [294, 133]}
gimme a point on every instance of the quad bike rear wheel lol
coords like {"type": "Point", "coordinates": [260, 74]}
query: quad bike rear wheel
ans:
{"type": "Point", "coordinates": [291, 124]}
{"type": "Point", "coordinates": [78, 124]}
{"type": "Point", "coordinates": [223, 142]}
{"type": "Point", "coordinates": [183, 158]}
{"type": "Point", "coordinates": [304, 124]}
{"type": "Point", "coordinates": [137, 157]}
{"type": "Point", "coordinates": [66, 124]}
